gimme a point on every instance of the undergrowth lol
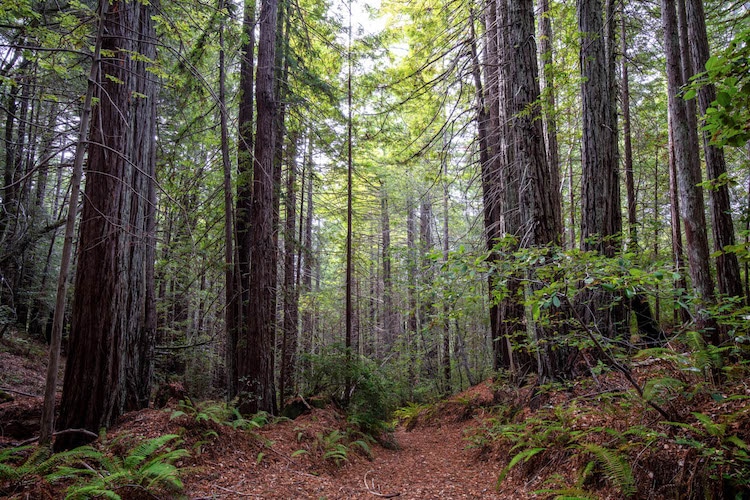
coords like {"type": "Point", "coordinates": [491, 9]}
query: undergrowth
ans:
{"type": "Point", "coordinates": [335, 446]}
{"type": "Point", "coordinates": [612, 440]}
{"type": "Point", "coordinates": [146, 469]}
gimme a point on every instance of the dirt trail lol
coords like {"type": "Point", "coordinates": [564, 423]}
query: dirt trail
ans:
{"type": "Point", "coordinates": [431, 462]}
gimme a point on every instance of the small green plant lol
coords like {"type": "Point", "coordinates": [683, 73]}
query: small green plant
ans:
{"type": "Point", "coordinates": [614, 465]}
{"type": "Point", "coordinates": [18, 469]}
{"type": "Point", "coordinates": [336, 445]}
{"type": "Point", "coordinates": [218, 413]}
{"type": "Point", "coordinates": [207, 411]}
{"type": "Point", "coordinates": [562, 432]}
{"type": "Point", "coordinates": [148, 467]}
{"type": "Point", "coordinates": [409, 415]}
{"type": "Point", "coordinates": [726, 455]}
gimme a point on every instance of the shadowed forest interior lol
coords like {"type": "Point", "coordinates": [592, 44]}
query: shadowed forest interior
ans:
{"type": "Point", "coordinates": [314, 232]}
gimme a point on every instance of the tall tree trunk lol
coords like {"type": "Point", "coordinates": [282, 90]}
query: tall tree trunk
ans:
{"type": "Point", "coordinates": [307, 264]}
{"type": "Point", "coordinates": [727, 265]}
{"type": "Point", "coordinates": [487, 124]}
{"type": "Point", "coordinates": [390, 325]}
{"type": "Point", "coordinates": [627, 136]}
{"type": "Point", "coordinates": [536, 198]}
{"type": "Point", "coordinates": [47, 424]}
{"type": "Point", "coordinates": [547, 83]}
{"type": "Point", "coordinates": [245, 146]}
{"type": "Point", "coordinates": [446, 360]}
{"type": "Point", "coordinates": [678, 249]}
{"type": "Point", "coordinates": [601, 221]}
{"type": "Point", "coordinates": [687, 167]}
{"type": "Point", "coordinates": [291, 312]}
{"type": "Point", "coordinates": [255, 349]}
{"type": "Point", "coordinates": [232, 315]}
{"type": "Point", "coordinates": [109, 347]}
{"type": "Point", "coordinates": [349, 215]}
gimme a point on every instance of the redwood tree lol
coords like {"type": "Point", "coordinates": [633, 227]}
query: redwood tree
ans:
{"type": "Point", "coordinates": [687, 166]}
{"type": "Point", "coordinates": [255, 366]}
{"type": "Point", "coordinates": [601, 221]}
{"type": "Point", "coordinates": [108, 369]}
{"type": "Point", "coordinates": [727, 265]}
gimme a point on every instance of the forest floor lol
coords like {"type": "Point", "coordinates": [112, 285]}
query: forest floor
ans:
{"type": "Point", "coordinates": [446, 450]}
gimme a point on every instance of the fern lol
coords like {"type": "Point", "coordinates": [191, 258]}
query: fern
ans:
{"type": "Point", "coordinates": [567, 494]}
{"type": "Point", "coordinates": [615, 467]}
{"type": "Point", "coordinates": [363, 446]}
{"type": "Point", "coordinates": [523, 456]}
{"type": "Point", "coordinates": [141, 468]}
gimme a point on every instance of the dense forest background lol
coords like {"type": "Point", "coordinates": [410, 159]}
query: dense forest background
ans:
{"type": "Point", "coordinates": [383, 203]}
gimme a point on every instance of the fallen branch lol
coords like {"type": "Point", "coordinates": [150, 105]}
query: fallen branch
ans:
{"type": "Point", "coordinates": [60, 433]}
{"type": "Point", "coordinates": [371, 491]}
{"type": "Point", "coordinates": [238, 492]}
{"type": "Point", "coordinates": [5, 389]}
{"type": "Point", "coordinates": [305, 402]}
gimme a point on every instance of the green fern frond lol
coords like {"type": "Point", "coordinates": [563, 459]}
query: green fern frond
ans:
{"type": "Point", "coordinates": [9, 473]}
{"type": "Point", "coordinates": [90, 491]}
{"type": "Point", "coordinates": [338, 454]}
{"type": "Point", "coordinates": [615, 467]}
{"type": "Point", "coordinates": [161, 474]}
{"type": "Point", "coordinates": [177, 414]}
{"type": "Point", "coordinates": [585, 473]}
{"type": "Point", "coordinates": [523, 456]}
{"type": "Point", "coordinates": [7, 454]}
{"type": "Point", "coordinates": [567, 494]}
{"type": "Point", "coordinates": [168, 457]}
{"type": "Point", "coordinates": [364, 447]}
{"type": "Point", "coordinates": [145, 449]}
{"type": "Point", "coordinates": [736, 441]}
{"type": "Point", "coordinates": [67, 457]}
{"type": "Point", "coordinates": [712, 428]}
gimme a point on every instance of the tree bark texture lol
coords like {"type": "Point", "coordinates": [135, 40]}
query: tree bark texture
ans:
{"type": "Point", "coordinates": [245, 145]}
{"type": "Point", "coordinates": [108, 366]}
{"type": "Point", "coordinates": [255, 348]}
{"type": "Point", "coordinates": [687, 165]}
{"type": "Point", "coordinates": [536, 199]}
{"type": "Point", "coordinates": [287, 384]}
{"type": "Point", "coordinates": [600, 195]}
{"type": "Point", "coordinates": [547, 83]}
{"type": "Point", "coordinates": [488, 126]}
{"type": "Point", "coordinates": [727, 265]}
{"type": "Point", "coordinates": [601, 220]}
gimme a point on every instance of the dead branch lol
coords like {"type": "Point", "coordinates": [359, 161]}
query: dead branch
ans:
{"type": "Point", "coordinates": [233, 492]}
{"type": "Point", "coordinates": [60, 433]}
{"type": "Point", "coordinates": [5, 389]}
{"type": "Point", "coordinates": [371, 491]}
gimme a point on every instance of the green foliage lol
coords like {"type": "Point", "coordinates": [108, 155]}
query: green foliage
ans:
{"type": "Point", "coordinates": [564, 432]}
{"type": "Point", "coordinates": [370, 402]}
{"type": "Point", "coordinates": [726, 455]}
{"type": "Point", "coordinates": [521, 457]}
{"type": "Point", "coordinates": [40, 462]}
{"type": "Point", "coordinates": [615, 467]}
{"type": "Point", "coordinates": [205, 413]}
{"type": "Point", "coordinates": [335, 447]}
{"type": "Point", "coordinates": [409, 415]}
{"type": "Point", "coordinates": [728, 117]}
{"type": "Point", "coordinates": [147, 467]}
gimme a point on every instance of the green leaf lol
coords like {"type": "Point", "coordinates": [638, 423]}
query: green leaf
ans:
{"type": "Point", "coordinates": [723, 98]}
{"type": "Point", "coordinates": [523, 456]}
